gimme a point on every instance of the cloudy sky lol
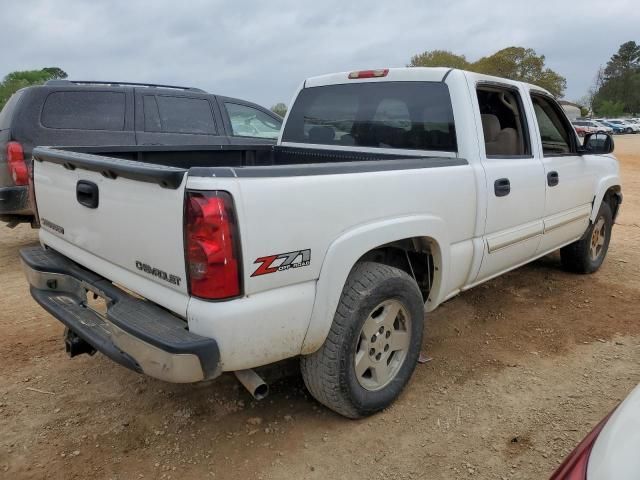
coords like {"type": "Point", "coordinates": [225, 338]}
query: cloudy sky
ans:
{"type": "Point", "coordinates": [262, 50]}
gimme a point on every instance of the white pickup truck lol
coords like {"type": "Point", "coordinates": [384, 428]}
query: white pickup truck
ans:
{"type": "Point", "coordinates": [389, 192]}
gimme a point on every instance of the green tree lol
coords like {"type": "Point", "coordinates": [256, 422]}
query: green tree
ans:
{"type": "Point", "coordinates": [624, 61]}
{"type": "Point", "coordinates": [14, 81]}
{"type": "Point", "coordinates": [524, 65]}
{"type": "Point", "coordinates": [620, 83]}
{"type": "Point", "coordinates": [515, 63]}
{"type": "Point", "coordinates": [609, 108]}
{"type": "Point", "coordinates": [439, 58]}
{"type": "Point", "coordinates": [280, 109]}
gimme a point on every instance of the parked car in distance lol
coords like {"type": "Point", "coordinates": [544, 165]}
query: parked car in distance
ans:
{"type": "Point", "coordinates": [616, 128]}
{"type": "Point", "coordinates": [629, 127]}
{"type": "Point", "coordinates": [592, 126]}
{"type": "Point", "coordinates": [583, 128]}
{"type": "Point", "coordinates": [375, 205]}
{"type": "Point", "coordinates": [64, 112]}
{"type": "Point", "coordinates": [610, 450]}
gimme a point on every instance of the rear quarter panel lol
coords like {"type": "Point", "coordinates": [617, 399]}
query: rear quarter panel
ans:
{"type": "Point", "coordinates": [346, 213]}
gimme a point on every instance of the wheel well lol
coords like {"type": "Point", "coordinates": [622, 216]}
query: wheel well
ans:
{"type": "Point", "coordinates": [412, 255]}
{"type": "Point", "coordinates": [613, 197]}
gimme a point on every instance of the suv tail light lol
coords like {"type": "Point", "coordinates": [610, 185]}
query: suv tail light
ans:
{"type": "Point", "coordinates": [575, 465]}
{"type": "Point", "coordinates": [211, 245]}
{"type": "Point", "coordinates": [15, 162]}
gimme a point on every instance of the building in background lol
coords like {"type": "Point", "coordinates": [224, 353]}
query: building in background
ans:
{"type": "Point", "coordinates": [571, 109]}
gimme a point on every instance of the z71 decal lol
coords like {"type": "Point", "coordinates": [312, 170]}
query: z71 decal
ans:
{"type": "Point", "coordinates": [282, 262]}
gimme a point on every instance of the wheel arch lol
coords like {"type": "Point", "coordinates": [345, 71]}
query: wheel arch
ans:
{"type": "Point", "coordinates": [422, 232]}
{"type": "Point", "coordinates": [609, 190]}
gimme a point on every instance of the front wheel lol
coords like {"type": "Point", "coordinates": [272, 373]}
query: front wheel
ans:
{"type": "Point", "coordinates": [587, 254]}
{"type": "Point", "coordinates": [372, 348]}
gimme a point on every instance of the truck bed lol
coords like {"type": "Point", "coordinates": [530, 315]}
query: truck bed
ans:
{"type": "Point", "coordinates": [167, 165]}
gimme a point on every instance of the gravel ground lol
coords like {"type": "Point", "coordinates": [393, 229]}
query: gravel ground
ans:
{"type": "Point", "coordinates": [523, 367]}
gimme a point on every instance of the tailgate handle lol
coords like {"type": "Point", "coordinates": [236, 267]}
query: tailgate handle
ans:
{"type": "Point", "coordinates": [87, 194]}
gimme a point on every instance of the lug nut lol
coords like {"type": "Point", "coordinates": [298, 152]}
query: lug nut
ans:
{"type": "Point", "coordinates": [381, 330]}
{"type": "Point", "coordinates": [378, 356]}
{"type": "Point", "coordinates": [388, 334]}
{"type": "Point", "coordinates": [386, 347]}
{"type": "Point", "coordinates": [374, 338]}
{"type": "Point", "coordinates": [372, 351]}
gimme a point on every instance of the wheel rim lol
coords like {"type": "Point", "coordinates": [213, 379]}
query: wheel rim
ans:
{"type": "Point", "coordinates": [598, 237]}
{"type": "Point", "coordinates": [383, 345]}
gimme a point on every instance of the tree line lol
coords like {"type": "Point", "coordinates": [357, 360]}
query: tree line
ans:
{"type": "Point", "coordinates": [14, 81]}
{"type": "Point", "coordinates": [616, 86]}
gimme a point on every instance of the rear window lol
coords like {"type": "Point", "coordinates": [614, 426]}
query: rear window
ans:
{"type": "Point", "coordinates": [6, 115]}
{"type": "Point", "coordinates": [408, 115]}
{"type": "Point", "coordinates": [84, 111]}
{"type": "Point", "coordinates": [185, 115]}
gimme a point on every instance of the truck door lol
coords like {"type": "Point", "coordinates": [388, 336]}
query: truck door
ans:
{"type": "Point", "coordinates": [569, 177]}
{"type": "Point", "coordinates": [514, 176]}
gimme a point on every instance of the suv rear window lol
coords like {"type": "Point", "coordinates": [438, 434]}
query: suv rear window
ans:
{"type": "Point", "coordinates": [6, 114]}
{"type": "Point", "coordinates": [84, 110]}
{"type": "Point", "coordinates": [408, 115]}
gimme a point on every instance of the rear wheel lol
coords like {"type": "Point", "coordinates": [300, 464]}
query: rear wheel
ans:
{"type": "Point", "coordinates": [373, 345]}
{"type": "Point", "coordinates": [587, 254]}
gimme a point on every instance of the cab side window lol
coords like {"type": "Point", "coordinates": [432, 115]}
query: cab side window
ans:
{"type": "Point", "coordinates": [503, 122]}
{"type": "Point", "coordinates": [558, 137]}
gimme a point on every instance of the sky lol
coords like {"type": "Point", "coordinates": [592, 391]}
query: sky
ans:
{"type": "Point", "coordinates": [262, 50]}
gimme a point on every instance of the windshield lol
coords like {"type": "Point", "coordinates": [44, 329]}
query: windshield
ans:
{"type": "Point", "coordinates": [406, 115]}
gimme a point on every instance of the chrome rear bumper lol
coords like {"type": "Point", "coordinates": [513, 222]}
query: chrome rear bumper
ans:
{"type": "Point", "coordinates": [131, 331]}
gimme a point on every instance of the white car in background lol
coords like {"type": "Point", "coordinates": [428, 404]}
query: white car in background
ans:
{"type": "Point", "coordinates": [610, 451]}
{"type": "Point", "coordinates": [629, 127]}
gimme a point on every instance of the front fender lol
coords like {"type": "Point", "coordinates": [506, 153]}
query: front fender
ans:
{"type": "Point", "coordinates": [603, 185]}
{"type": "Point", "coordinates": [345, 251]}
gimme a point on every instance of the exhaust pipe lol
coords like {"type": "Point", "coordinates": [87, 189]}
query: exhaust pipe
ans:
{"type": "Point", "coordinates": [253, 383]}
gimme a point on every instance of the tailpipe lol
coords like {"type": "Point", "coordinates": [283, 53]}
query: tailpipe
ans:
{"type": "Point", "coordinates": [253, 382]}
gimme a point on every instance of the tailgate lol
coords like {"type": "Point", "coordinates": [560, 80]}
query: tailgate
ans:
{"type": "Point", "coordinates": [119, 218]}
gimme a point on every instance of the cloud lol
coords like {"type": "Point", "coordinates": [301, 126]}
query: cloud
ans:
{"type": "Point", "coordinates": [261, 51]}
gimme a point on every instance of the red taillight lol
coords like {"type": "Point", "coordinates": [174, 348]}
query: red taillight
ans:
{"type": "Point", "coordinates": [575, 465]}
{"type": "Point", "coordinates": [17, 166]}
{"type": "Point", "coordinates": [210, 242]}
{"type": "Point", "coordinates": [369, 73]}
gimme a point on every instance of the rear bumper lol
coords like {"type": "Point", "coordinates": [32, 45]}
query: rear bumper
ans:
{"type": "Point", "coordinates": [14, 200]}
{"type": "Point", "coordinates": [133, 332]}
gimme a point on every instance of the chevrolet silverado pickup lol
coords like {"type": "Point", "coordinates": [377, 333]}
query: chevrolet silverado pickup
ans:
{"type": "Point", "coordinates": [389, 191]}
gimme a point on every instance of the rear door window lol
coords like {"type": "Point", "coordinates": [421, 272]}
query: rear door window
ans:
{"type": "Point", "coordinates": [88, 110]}
{"type": "Point", "coordinates": [185, 115]}
{"type": "Point", "coordinates": [151, 114]}
{"type": "Point", "coordinates": [405, 115]}
{"type": "Point", "coordinates": [250, 122]}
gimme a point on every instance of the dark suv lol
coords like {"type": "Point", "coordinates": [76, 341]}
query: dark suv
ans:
{"type": "Point", "coordinates": [79, 113]}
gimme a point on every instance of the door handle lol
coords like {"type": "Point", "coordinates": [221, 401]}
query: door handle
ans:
{"type": "Point", "coordinates": [87, 194]}
{"type": "Point", "coordinates": [553, 179]}
{"type": "Point", "coordinates": [502, 187]}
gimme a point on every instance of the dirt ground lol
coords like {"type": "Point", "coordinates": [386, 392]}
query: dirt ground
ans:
{"type": "Point", "coordinates": [522, 368]}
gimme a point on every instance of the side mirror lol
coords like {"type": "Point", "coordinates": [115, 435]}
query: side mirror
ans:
{"type": "Point", "coordinates": [597, 143]}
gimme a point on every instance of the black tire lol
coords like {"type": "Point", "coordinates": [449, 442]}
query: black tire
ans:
{"type": "Point", "coordinates": [330, 372]}
{"type": "Point", "coordinates": [577, 257]}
